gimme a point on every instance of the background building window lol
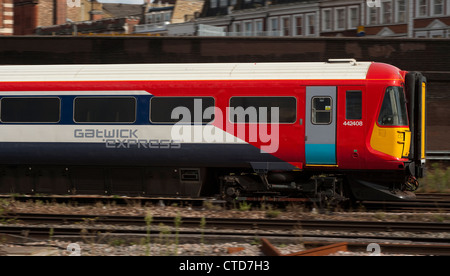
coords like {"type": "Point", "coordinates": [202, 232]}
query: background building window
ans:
{"type": "Point", "coordinates": [310, 24]}
{"type": "Point", "coordinates": [248, 28]}
{"type": "Point", "coordinates": [286, 26]}
{"type": "Point", "coordinates": [326, 21]}
{"type": "Point", "coordinates": [401, 11]}
{"type": "Point", "coordinates": [158, 17]}
{"type": "Point", "coordinates": [149, 18]}
{"type": "Point", "coordinates": [386, 15]}
{"type": "Point", "coordinates": [298, 25]}
{"type": "Point", "coordinates": [340, 19]}
{"type": "Point", "coordinates": [353, 17]}
{"type": "Point", "coordinates": [438, 7]}
{"type": "Point", "coordinates": [167, 16]}
{"type": "Point", "coordinates": [258, 27]}
{"type": "Point", "coordinates": [422, 7]}
{"type": "Point", "coordinates": [274, 26]}
{"type": "Point", "coordinates": [373, 16]}
{"type": "Point", "coordinates": [237, 27]}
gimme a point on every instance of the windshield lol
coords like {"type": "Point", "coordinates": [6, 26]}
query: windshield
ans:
{"type": "Point", "coordinates": [393, 109]}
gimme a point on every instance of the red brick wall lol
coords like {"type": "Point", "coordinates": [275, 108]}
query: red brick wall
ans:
{"type": "Point", "coordinates": [45, 13]}
{"type": "Point", "coordinates": [25, 17]}
{"type": "Point", "coordinates": [52, 12]}
{"type": "Point", "coordinates": [30, 14]}
{"type": "Point", "coordinates": [130, 23]}
{"type": "Point", "coordinates": [60, 15]}
{"type": "Point", "coordinates": [6, 17]}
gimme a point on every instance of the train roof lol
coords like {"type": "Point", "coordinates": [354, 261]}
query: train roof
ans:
{"type": "Point", "coordinates": [334, 69]}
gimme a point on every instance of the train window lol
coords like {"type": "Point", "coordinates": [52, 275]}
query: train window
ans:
{"type": "Point", "coordinates": [189, 110]}
{"type": "Point", "coordinates": [105, 110]}
{"type": "Point", "coordinates": [321, 110]}
{"type": "Point", "coordinates": [353, 103]}
{"type": "Point", "coordinates": [260, 109]}
{"type": "Point", "coordinates": [393, 108]}
{"type": "Point", "coordinates": [30, 110]}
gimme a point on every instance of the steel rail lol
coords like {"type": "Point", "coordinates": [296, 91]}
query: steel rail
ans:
{"type": "Point", "coordinates": [425, 201]}
{"type": "Point", "coordinates": [402, 245]}
{"type": "Point", "coordinates": [53, 231]}
{"type": "Point", "coordinates": [233, 223]}
{"type": "Point", "coordinates": [439, 155]}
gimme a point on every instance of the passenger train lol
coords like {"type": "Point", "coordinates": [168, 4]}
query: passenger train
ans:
{"type": "Point", "coordinates": [324, 131]}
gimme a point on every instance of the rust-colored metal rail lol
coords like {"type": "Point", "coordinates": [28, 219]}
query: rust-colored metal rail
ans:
{"type": "Point", "coordinates": [269, 250]}
{"type": "Point", "coordinates": [323, 250]}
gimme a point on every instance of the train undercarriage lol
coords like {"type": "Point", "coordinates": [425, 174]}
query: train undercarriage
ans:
{"type": "Point", "coordinates": [230, 185]}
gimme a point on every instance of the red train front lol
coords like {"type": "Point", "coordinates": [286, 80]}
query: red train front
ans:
{"type": "Point", "coordinates": [325, 131]}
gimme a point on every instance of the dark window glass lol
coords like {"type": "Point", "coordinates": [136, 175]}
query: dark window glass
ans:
{"type": "Point", "coordinates": [189, 110]}
{"type": "Point", "coordinates": [261, 109]}
{"type": "Point", "coordinates": [105, 110]}
{"type": "Point", "coordinates": [353, 109]}
{"type": "Point", "coordinates": [321, 110]}
{"type": "Point", "coordinates": [393, 108]}
{"type": "Point", "coordinates": [30, 110]}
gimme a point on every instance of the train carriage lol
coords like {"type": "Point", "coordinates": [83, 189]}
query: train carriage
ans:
{"type": "Point", "coordinates": [327, 130]}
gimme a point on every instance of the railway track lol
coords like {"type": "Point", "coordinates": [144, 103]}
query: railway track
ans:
{"type": "Point", "coordinates": [38, 231]}
{"type": "Point", "coordinates": [356, 233]}
{"type": "Point", "coordinates": [232, 223]}
{"type": "Point", "coordinates": [356, 243]}
{"type": "Point", "coordinates": [425, 202]}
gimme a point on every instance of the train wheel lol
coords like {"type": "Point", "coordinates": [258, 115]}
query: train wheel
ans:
{"type": "Point", "coordinates": [231, 192]}
{"type": "Point", "coordinates": [411, 183]}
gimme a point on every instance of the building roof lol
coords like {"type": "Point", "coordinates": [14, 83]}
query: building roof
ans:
{"type": "Point", "coordinates": [122, 10]}
{"type": "Point", "coordinates": [185, 10]}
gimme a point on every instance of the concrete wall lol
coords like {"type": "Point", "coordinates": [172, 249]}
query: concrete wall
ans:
{"type": "Point", "coordinates": [408, 54]}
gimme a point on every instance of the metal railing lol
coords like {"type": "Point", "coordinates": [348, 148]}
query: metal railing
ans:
{"type": "Point", "coordinates": [443, 155]}
{"type": "Point", "coordinates": [155, 27]}
{"type": "Point", "coordinates": [261, 33]}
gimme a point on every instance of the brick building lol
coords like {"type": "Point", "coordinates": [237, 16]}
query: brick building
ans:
{"type": "Point", "coordinates": [29, 14]}
{"type": "Point", "coordinates": [123, 25]}
{"type": "Point", "coordinates": [305, 18]}
{"type": "Point", "coordinates": [60, 16]}
{"type": "Point", "coordinates": [6, 17]}
{"type": "Point", "coordinates": [187, 10]}
{"type": "Point", "coordinates": [161, 13]}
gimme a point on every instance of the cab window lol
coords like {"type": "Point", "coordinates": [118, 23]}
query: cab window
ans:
{"type": "Point", "coordinates": [393, 108]}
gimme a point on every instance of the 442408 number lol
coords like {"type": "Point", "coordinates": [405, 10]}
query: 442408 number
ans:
{"type": "Point", "coordinates": [353, 123]}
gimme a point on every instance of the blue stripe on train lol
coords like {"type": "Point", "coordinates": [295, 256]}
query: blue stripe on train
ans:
{"type": "Point", "coordinates": [192, 155]}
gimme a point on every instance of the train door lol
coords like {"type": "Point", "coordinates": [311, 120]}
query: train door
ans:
{"type": "Point", "coordinates": [320, 125]}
